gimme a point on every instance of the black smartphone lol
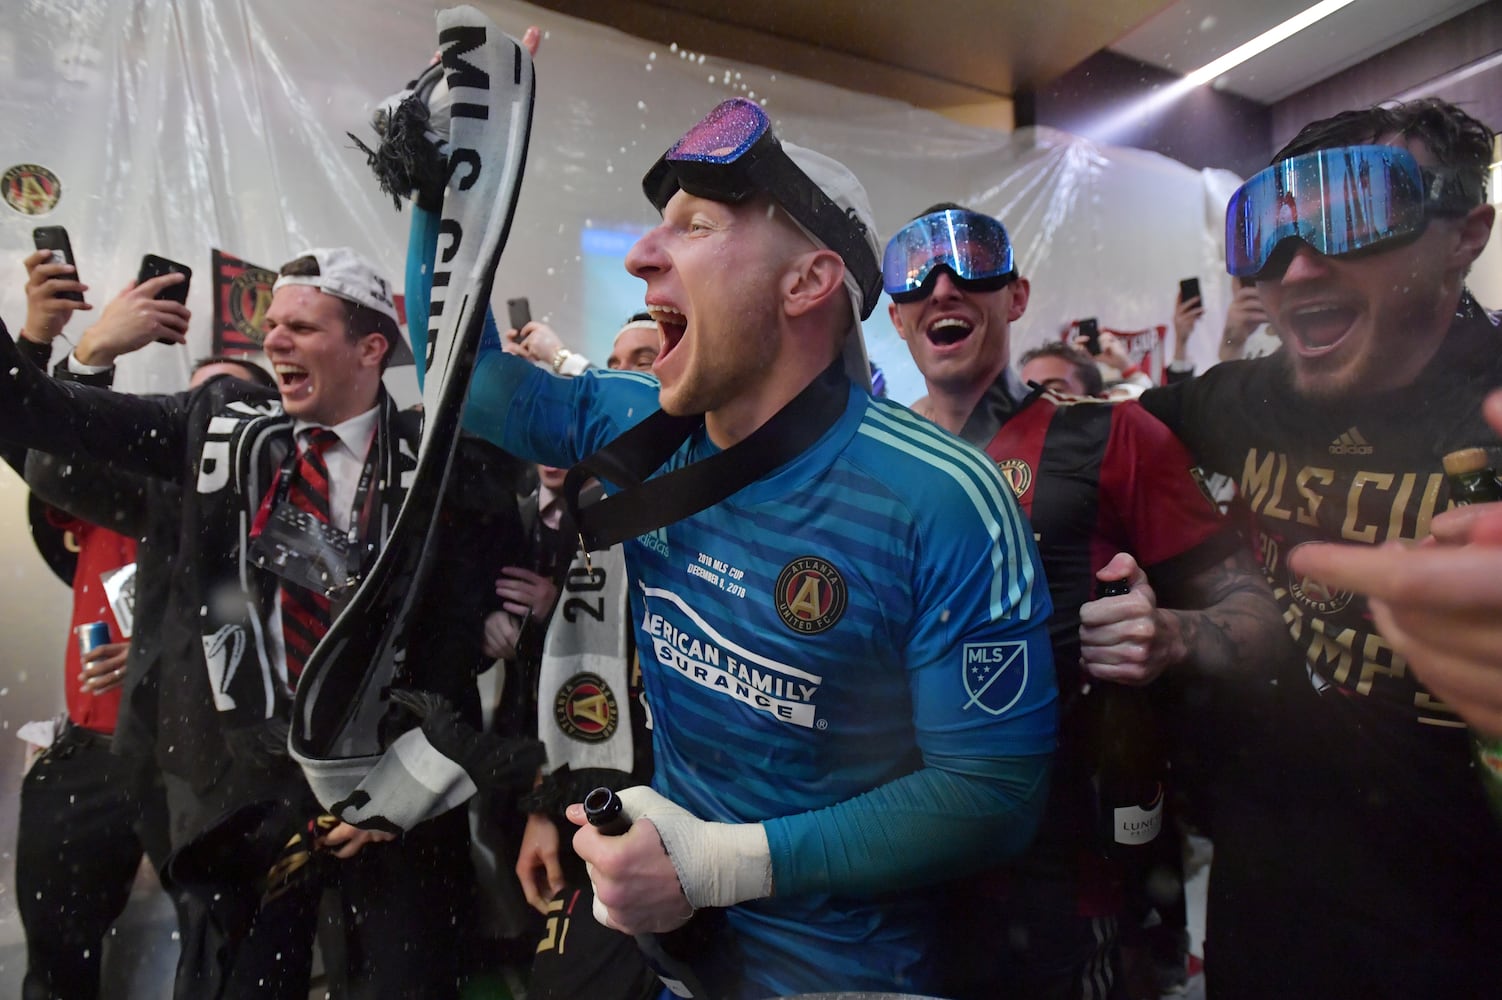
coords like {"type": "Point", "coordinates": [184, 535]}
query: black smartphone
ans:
{"type": "Point", "coordinates": [520, 312]}
{"type": "Point", "coordinates": [55, 238]}
{"type": "Point", "coordinates": [1090, 330]}
{"type": "Point", "coordinates": [1189, 289]}
{"type": "Point", "coordinates": [153, 266]}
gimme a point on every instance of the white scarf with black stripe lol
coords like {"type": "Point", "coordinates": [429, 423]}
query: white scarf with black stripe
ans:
{"type": "Point", "coordinates": [583, 694]}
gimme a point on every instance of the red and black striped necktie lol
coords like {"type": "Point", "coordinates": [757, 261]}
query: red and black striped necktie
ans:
{"type": "Point", "coordinates": [305, 613]}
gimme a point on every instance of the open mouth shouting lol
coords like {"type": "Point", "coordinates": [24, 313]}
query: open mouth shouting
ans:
{"type": "Point", "coordinates": [292, 380]}
{"type": "Point", "coordinates": [1318, 328]}
{"type": "Point", "coordinates": [671, 326]}
{"type": "Point", "coordinates": [946, 331]}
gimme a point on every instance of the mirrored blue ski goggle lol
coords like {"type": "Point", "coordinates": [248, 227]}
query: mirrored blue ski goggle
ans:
{"type": "Point", "coordinates": [1339, 201]}
{"type": "Point", "coordinates": [732, 155]}
{"type": "Point", "coordinates": [974, 248]}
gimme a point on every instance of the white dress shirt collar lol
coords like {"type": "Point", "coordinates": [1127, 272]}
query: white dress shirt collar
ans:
{"type": "Point", "coordinates": [345, 461]}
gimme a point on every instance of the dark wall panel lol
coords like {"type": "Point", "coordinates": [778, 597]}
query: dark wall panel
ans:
{"type": "Point", "coordinates": [1464, 41]}
{"type": "Point", "coordinates": [1203, 128]}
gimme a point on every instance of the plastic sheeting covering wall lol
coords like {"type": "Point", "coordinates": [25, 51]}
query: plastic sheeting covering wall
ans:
{"type": "Point", "coordinates": [177, 126]}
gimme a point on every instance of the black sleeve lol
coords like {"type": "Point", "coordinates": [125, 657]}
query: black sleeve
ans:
{"type": "Point", "coordinates": [143, 435]}
{"type": "Point", "coordinates": [1166, 402]}
{"type": "Point", "coordinates": [1181, 406]}
{"type": "Point", "coordinates": [62, 371]}
{"type": "Point", "coordinates": [37, 355]}
{"type": "Point", "coordinates": [89, 489]}
{"type": "Point", "coordinates": [1210, 412]}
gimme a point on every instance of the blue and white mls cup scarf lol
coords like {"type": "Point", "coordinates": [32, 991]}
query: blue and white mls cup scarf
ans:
{"type": "Point", "coordinates": [340, 700]}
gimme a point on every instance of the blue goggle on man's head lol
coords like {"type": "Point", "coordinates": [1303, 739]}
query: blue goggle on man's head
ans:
{"type": "Point", "coordinates": [1339, 201]}
{"type": "Point", "coordinates": [733, 154]}
{"type": "Point", "coordinates": [972, 247]}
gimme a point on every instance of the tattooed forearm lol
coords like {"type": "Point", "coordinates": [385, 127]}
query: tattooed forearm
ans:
{"type": "Point", "coordinates": [1235, 626]}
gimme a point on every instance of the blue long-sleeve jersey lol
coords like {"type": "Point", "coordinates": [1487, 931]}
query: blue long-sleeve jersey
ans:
{"type": "Point", "coordinates": [850, 650]}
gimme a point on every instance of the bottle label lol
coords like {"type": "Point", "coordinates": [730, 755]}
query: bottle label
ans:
{"type": "Point", "coordinates": [1134, 825]}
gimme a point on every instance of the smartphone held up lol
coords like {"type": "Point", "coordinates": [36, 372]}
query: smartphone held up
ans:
{"type": "Point", "coordinates": [519, 313]}
{"type": "Point", "coordinates": [1090, 330]}
{"type": "Point", "coordinates": [55, 239]}
{"type": "Point", "coordinates": [153, 266]}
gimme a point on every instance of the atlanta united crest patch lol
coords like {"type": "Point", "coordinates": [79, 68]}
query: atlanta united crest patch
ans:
{"type": "Point", "coordinates": [585, 708]}
{"type": "Point", "coordinates": [1017, 474]}
{"type": "Point", "coordinates": [1316, 596]}
{"type": "Point", "coordinates": [995, 675]}
{"type": "Point", "coordinates": [810, 595]}
{"type": "Point", "coordinates": [31, 189]}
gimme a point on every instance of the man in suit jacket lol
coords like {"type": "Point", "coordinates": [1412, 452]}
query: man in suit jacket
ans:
{"type": "Point", "coordinates": [236, 449]}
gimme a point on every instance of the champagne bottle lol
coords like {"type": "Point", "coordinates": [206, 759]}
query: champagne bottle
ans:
{"type": "Point", "coordinates": [668, 954]}
{"type": "Point", "coordinates": [1128, 761]}
{"type": "Point", "coordinates": [1473, 479]}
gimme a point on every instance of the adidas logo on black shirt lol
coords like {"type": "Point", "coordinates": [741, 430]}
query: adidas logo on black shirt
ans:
{"type": "Point", "coordinates": [1350, 443]}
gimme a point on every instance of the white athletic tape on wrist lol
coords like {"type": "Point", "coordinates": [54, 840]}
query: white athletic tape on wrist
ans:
{"type": "Point", "coordinates": [718, 864]}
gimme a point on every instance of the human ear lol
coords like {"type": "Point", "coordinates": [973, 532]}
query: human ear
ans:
{"type": "Point", "coordinates": [811, 279]}
{"type": "Point", "coordinates": [373, 347]}
{"type": "Point", "coordinates": [1021, 291]}
{"type": "Point", "coordinates": [1474, 230]}
{"type": "Point", "coordinates": [896, 318]}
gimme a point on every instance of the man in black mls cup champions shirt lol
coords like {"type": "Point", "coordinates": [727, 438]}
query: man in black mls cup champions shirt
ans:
{"type": "Point", "coordinates": [1354, 855]}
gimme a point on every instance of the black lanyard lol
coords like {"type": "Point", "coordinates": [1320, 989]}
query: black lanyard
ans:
{"type": "Point", "coordinates": [643, 504]}
{"type": "Point", "coordinates": [360, 510]}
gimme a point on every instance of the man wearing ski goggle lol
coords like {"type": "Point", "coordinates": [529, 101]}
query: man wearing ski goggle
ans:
{"type": "Point", "coordinates": [1335, 236]}
{"type": "Point", "coordinates": [825, 562]}
{"type": "Point", "coordinates": [972, 247]}
{"type": "Point", "coordinates": [732, 155]}
{"type": "Point", "coordinates": [955, 292]}
{"type": "Point", "coordinates": [1110, 497]}
{"type": "Point", "coordinates": [1360, 237]}
{"type": "Point", "coordinates": [1340, 201]}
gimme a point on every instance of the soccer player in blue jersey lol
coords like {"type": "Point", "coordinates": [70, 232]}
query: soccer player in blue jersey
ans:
{"type": "Point", "coordinates": [844, 650]}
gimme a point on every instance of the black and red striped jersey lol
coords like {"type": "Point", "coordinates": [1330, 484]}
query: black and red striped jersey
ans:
{"type": "Point", "coordinates": [1097, 478]}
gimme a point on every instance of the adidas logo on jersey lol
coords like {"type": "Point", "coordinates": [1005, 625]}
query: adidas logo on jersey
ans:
{"type": "Point", "coordinates": [657, 541]}
{"type": "Point", "coordinates": [1350, 443]}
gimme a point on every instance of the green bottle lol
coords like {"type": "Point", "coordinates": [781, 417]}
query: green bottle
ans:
{"type": "Point", "coordinates": [1128, 762]}
{"type": "Point", "coordinates": [1473, 479]}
